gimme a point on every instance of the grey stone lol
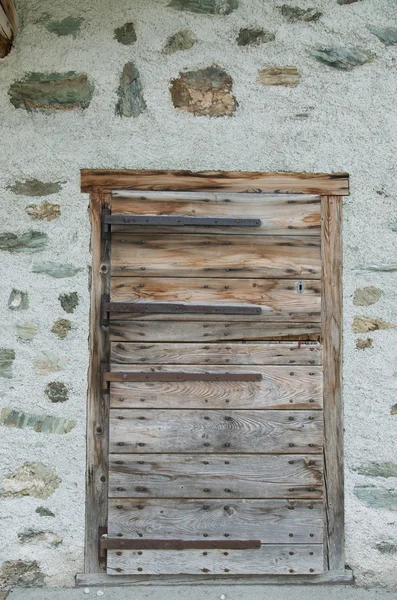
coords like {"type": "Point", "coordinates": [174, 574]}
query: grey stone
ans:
{"type": "Point", "coordinates": [7, 357]}
{"type": "Point", "coordinates": [205, 92]}
{"type": "Point", "coordinates": [39, 423]}
{"type": "Point", "coordinates": [181, 40]}
{"type": "Point", "coordinates": [34, 187]}
{"type": "Point", "coordinates": [21, 573]}
{"type": "Point", "coordinates": [287, 76]}
{"type": "Point", "coordinates": [61, 328]}
{"type": "Point", "coordinates": [52, 91]}
{"type": "Point", "coordinates": [131, 102]}
{"type": "Point", "coordinates": [211, 7]}
{"type": "Point", "coordinates": [378, 469]}
{"type": "Point", "coordinates": [388, 35]}
{"type": "Point", "coordinates": [393, 410]}
{"type": "Point", "coordinates": [57, 270]}
{"type": "Point", "coordinates": [45, 363]}
{"type": "Point", "coordinates": [248, 36]}
{"type": "Point", "coordinates": [125, 34]}
{"type": "Point", "coordinates": [364, 324]}
{"type": "Point", "coordinates": [347, 1]}
{"type": "Point", "coordinates": [30, 536]}
{"type": "Point", "coordinates": [68, 26]}
{"type": "Point", "coordinates": [391, 268]}
{"type": "Point", "coordinates": [394, 227]}
{"type": "Point", "coordinates": [367, 296]}
{"type": "Point", "coordinates": [18, 300]}
{"type": "Point", "coordinates": [375, 497]}
{"type": "Point", "coordinates": [31, 241]}
{"type": "Point", "coordinates": [27, 331]}
{"type": "Point", "coordinates": [363, 344]}
{"type": "Point", "coordinates": [45, 211]}
{"type": "Point", "coordinates": [57, 391]}
{"type": "Point", "coordinates": [387, 548]}
{"type": "Point", "coordinates": [69, 301]}
{"type": "Point", "coordinates": [294, 13]}
{"type": "Point", "coordinates": [342, 58]}
{"type": "Point", "coordinates": [44, 512]}
{"type": "Point", "coordinates": [32, 479]}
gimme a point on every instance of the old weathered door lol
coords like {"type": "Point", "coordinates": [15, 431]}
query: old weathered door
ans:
{"type": "Point", "coordinates": [215, 382]}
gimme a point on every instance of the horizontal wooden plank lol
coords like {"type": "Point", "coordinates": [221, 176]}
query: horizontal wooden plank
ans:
{"type": "Point", "coordinates": [278, 298]}
{"type": "Point", "coordinates": [204, 476]}
{"type": "Point", "coordinates": [227, 181]}
{"type": "Point", "coordinates": [271, 521]}
{"type": "Point", "coordinates": [211, 331]}
{"type": "Point", "coordinates": [243, 431]}
{"type": "Point", "coordinates": [280, 388]}
{"type": "Point", "coordinates": [279, 214]}
{"type": "Point", "coordinates": [230, 353]}
{"type": "Point", "coordinates": [186, 255]}
{"type": "Point", "coordinates": [269, 559]}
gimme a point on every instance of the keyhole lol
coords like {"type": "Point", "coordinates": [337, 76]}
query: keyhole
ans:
{"type": "Point", "coordinates": [300, 287]}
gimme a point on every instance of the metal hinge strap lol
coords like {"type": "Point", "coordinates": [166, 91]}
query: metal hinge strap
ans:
{"type": "Point", "coordinates": [119, 544]}
{"type": "Point", "coordinates": [122, 376]}
{"type": "Point", "coordinates": [177, 221]}
{"type": "Point", "coordinates": [179, 308]}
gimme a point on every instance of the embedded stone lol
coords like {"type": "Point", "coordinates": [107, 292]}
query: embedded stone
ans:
{"type": "Point", "coordinates": [375, 497]}
{"type": "Point", "coordinates": [390, 268]}
{"type": "Point", "coordinates": [205, 92]}
{"type": "Point", "coordinates": [61, 328]}
{"type": "Point", "coordinates": [21, 573]}
{"type": "Point", "coordinates": [393, 410]}
{"type": "Point", "coordinates": [394, 227]}
{"type": "Point", "coordinates": [181, 40]}
{"type": "Point", "coordinates": [363, 344]}
{"type": "Point", "coordinates": [44, 212]}
{"type": "Point", "coordinates": [31, 241]}
{"type": "Point", "coordinates": [68, 26]}
{"type": "Point", "coordinates": [32, 479]}
{"type": "Point", "coordinates": [125, 34]}
{"type": "Point", "coordinates": [386, 548]}
{"type": "Point", "coordinates": [363, 325]}
{"type": "Point", "coordinates": [69, 302]}
{"type": "Point", "coordinates": [27, 331]}
{"type": "Point", "coordinates": [45, 364]}
{"type": "Point", "coordinates": [342, 58]}
{"type": "Point", "coordinates": [53, 91]}
{"type": "Point", "coordinates": [131, 102]}
{"type": "Point", "coordinates": [57, 270]}
{"type": "Point", "coordinates": [288, 76]}
{"type": "Point", "coordinates": [18, 300]}
{"type": "Point", "coordinates": [34, 187]}
{"type": "Point", "coordinates": [211, 7]}
{"type": "Point", "coordinates": [367, 296]}
{"type": "Point", "coordinates": [30, 536]}
{"type": "Point", "coordinates": [254, 37]}
{"type": "Point", "coordinates": [7, 357]}
{"type": "Point", "coordinates": [44, 512]}
{"type": "Point", "coordinates": [347, 1]}
{"type": "Point", "coordinates": [39, 423]}
{"type": "Point", "coordinates": [378, 469]}
{"type": "Point", "coordinates": [294, 14]}
{"type": "Point", "coordinates": [57, 391]}
{"type": "Point", "coordinates": [388, 35]}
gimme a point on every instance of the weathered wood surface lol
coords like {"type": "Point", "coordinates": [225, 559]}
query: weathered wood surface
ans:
{"type": "Point", "coordinates": [230, 353]}
{"type": "Point", "coordinates": [278, 298]}
{"type": "Point", "coordinates": [279, 214]}
{"type": "Point", "coordinates": [6, 33]}
{"type": "Point", "coordinates": [275, 559]}
{"type": "Point", "coordinates": [211, 331]}
{"type": "Point", "coordinates": [331, 218]}
{"type": "Point", "coordinates": [281, 388]}
{"type": "Point", "coordinates": [226, 181]}
{"type": "Point", "coordinates": [274, 431]}
{"type": "Point", "coordinates": [11, 12]}
{"type": "Point", "coordinates": [271, 521]}
{"type": "Point", "coordinates": [187, 255]}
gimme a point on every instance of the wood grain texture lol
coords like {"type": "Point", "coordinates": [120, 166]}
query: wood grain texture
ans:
{"type": "Point", "coordinates": [279, 214]}
{"type": "Point", "coordinates": [226, 181]}
{"type": "Point", "coordinates": [280, 388]}
{"type": "Point", "coordinates": [269, 559]}
{"type": "Point", "coordinates": [271, 521]}
{"type": "Point", "coordinates": [6, 34]}
{"type": "Point", "coordinates": [211, 331]}
{"type": "Point", "coordinates": [272, 431]}
{"type": "Point", "coordinates": [230, 353]}
{"type": "Point", "coordinates": [187, 255]}
{"type": "Point", "coordinates": [11, 12]}
{"type": "Point", "coordinates": [278, 298]}
{"type": "Point", "coordinates": [331, 218]}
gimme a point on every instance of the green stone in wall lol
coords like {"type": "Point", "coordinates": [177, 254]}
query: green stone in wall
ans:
{"type": "Point", "coordinates": [375, 497]}
{"type": "Point", "coordinates": [254, 37]}
{"type": "Point", "coordinates": [68, 26]}
{"type": "Point", "coordinates": [27, 331]}
{"type": "Point", "coordinates": [181, 40]}
{"type": "Point", "coordinates": [57, 391]}
{"type": "Point", "coordinates": [7, 357]}
{"type": "Point", "coordinates": [44, 512]}
{"type": "Point", "coordinates": [39, 423]}
{"type": "Point", "coordinates": [69, 302]}
{"type": "Point", "coordinates": [32, 479]}
{"type": "Point", "coordinates": [342, 58]}
{"type": "Point", "coordinates": [61, 328]}
{"type": "Point", "coordinates": [378, 469]}
{"type": "Point", "coordinates": [293, 14]}
{"type": "Point", "coordinates": [34, 187]}
{"type": "Point", "coordinates": [131, 102]}
{"type": "Point", "coordinates": [57, 270]}
{"type": "Point", "coordinates": [388, 35]}
{"type": "Point", "coordinates": [125, 34]}
{"type": "Point", "coordinates": [31, 241]}
{"type": "Point", "coordinates": [211, 7]}
{"type": "Point", "coordinates": [21, 573]}
{"type": "Point", "coordinates": [18, 300]}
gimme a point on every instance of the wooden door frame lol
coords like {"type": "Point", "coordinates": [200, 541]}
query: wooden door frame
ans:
{"type": "Point", "coordinates": [331, 187]}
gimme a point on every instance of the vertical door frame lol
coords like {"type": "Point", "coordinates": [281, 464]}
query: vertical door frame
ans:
{"type": "Point", "coordinates": [331, 188]}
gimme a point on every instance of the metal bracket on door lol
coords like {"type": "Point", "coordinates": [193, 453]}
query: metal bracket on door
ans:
{"type": "Point", "coordinates": [178, 376]}
{"type": "Point", "coordinates": [119, 544]}
{"type": "Point", "coordinates": [175, 221]}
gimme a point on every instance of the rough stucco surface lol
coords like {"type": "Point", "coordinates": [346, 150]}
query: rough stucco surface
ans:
{"type": "Point", "coordinates": [351, 125]}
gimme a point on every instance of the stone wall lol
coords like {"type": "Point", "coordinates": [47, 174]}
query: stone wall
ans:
{"type": "Point", "coordinates": [185, 84]}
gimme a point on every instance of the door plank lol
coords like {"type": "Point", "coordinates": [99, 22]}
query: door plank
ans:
{"type": "Point", "coordinates": [269, 559]}
{"type": "Point", "coordinates": [265, 353]}
{"type": "Point", "coordinates": [202, 475]}
{"type": "Point", "coordinates": [278, 298]}
{"type": "Point", "coordinates": [273, 431]}
{"type": "Point", "coordinates": [271, 521]}
{"type": "Point", "coordinates": [280, 388]}
{"type": "Point", "coordinates": [187, 255]}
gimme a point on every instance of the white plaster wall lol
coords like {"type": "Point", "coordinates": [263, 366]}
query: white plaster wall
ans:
{"type": "Point", "coordinates": [352, 126]}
